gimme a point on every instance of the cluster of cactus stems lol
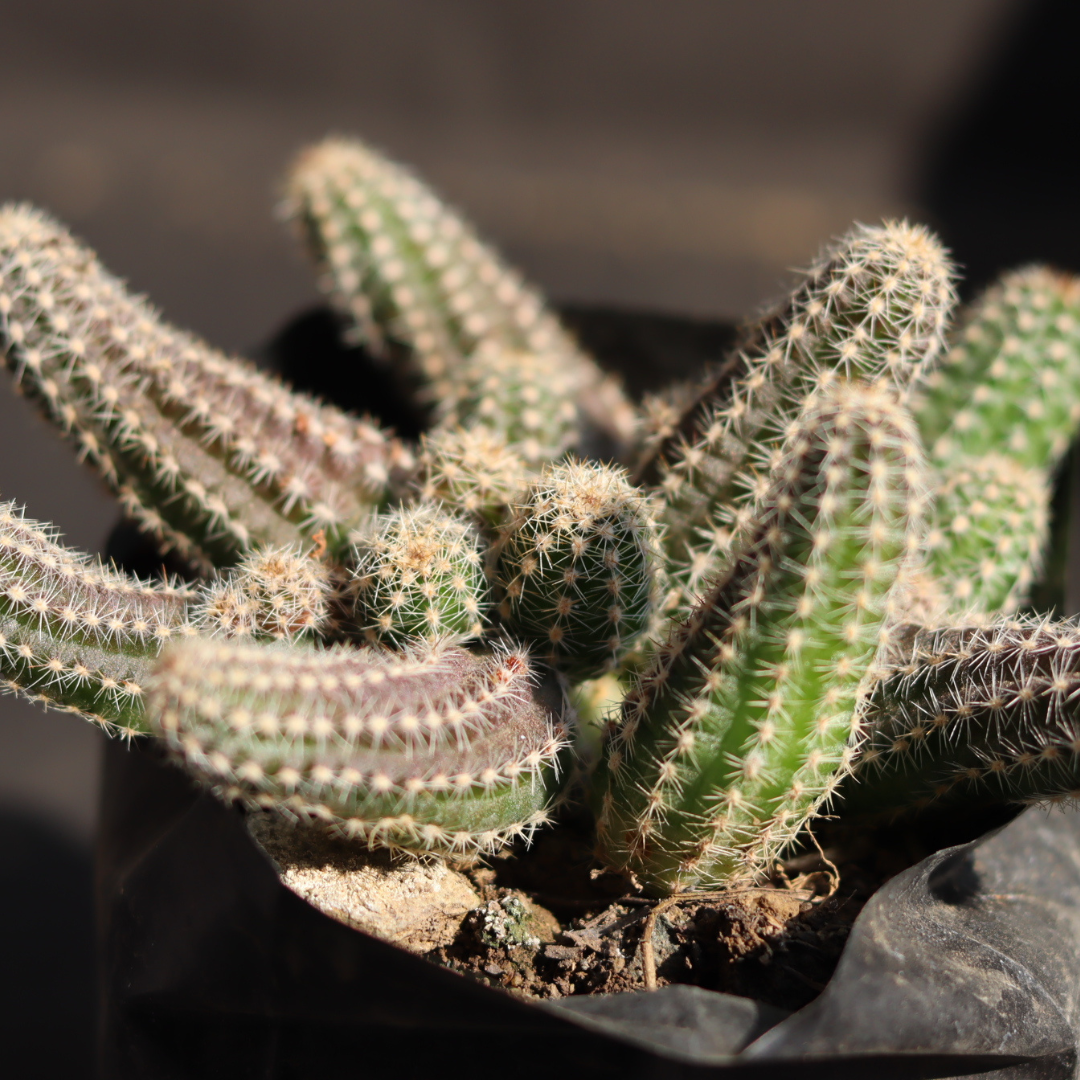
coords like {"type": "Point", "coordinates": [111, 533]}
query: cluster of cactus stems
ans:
{"type": "Point", "coordinates": [800, 577]}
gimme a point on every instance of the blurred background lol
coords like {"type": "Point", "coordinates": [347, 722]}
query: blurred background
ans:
{"type": "Point", "coordinates": [678, 157]}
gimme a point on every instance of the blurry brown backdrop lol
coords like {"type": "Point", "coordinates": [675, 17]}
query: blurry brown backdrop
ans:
{"type": "Point", "coordinates": [678, 155]}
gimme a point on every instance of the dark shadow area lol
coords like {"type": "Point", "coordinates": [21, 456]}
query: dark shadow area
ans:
{"type": "Point", "coordinates": [1001, 179]}
{"type": "Point", "coordinates": [48, 997]}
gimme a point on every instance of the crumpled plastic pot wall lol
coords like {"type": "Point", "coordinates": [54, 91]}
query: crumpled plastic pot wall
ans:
{"type": "Point", "coordinates": [969, 961]}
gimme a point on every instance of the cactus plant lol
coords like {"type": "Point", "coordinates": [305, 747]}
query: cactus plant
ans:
{"type": "Point", "coordinates": [873, 306]}
{"type": "Point", "coordinates": [734, 734]}
{"type": "Point", "coordinates": [776, 599]}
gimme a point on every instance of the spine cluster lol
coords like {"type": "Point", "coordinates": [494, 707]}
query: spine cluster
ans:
{"type": "Point", "coordinates": [432, 750]}
{"type": "Point", "coordinates": [874, 306]}
{"type": "Point", "coordinates": [749, 715]}
{"type": "Point", "coordinates": [77, 635]}
{"type": "Point", "coordinates": [208, 454]}
{"type": "Point", "coordinates": [580, 568]}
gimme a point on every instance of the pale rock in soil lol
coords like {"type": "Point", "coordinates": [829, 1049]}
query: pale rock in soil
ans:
{"type": "Point", "coordinates": [417, 905]}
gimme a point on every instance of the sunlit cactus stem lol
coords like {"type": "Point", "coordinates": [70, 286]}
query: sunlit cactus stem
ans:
{"type": "Point", "coordinates": [873, 306]}
{"type": "Point", "coordinates": [210, 455]}
{"type": "Point", "coordinates": [971, 716]}
{"type": "Point", "coordinates": [745, 721]}
{"type": "Point", "coordinates": [77, 635]}
{"type": "Point", "coordinates": [1000, 411]}
{"type": "Point", "coordinates": [432, 751]}
{"type": "Point", "coordinates": [410, 272]}
{"type": "Point", "coordinates": [987, 535]}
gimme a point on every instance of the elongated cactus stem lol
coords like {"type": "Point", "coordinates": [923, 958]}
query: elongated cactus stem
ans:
{"type": "Point", "coordinates": [747, 718]}
{"type": "Point", "coordinates": [973, 715]}
{"type": "Point", "coordinates": [76, 635]}
{"type": "Point", "coordinates": [874, 306]}
{"type": "Point", "coordinates": [439, 751]}
{"type": "Point", "coordinates": [208, 454]}
{"type": "Point", "coordinates": [997, 417]}
{"type": "Point", "coordinates": [407, 269]}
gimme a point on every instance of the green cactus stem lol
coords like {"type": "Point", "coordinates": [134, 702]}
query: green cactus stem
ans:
{"type": "Point", "coordinates": [1011, 383]}
{"type": "Point", "coordinates": [1002, 409]}
{"type": "Point", "coordinates": [441, 751]}
{"type": "Point", "coordinates": [276, 593]}
{"type": "Point", "coordinates": [208, 454]}
{"type": "Point", "coordinates": [972, 715]}
{"type": "Point", "coordinates": [988, 531]}
{"type": "Point", "coordinates": [420, 576]}
{"type": "Point", "coordinates": [744, 722]}
{"type": "Point", "coordinates": [580, 568]}
{"type": "Point", "coordinates": [77, 635]}
{"type": "Point", "coordinates": [407, 270]}
{"type": "Point", "coordinates": [873, 306]}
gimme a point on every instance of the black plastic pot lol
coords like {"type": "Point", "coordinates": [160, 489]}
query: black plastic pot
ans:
{"type": "Point", "coordinates": [966, 964]}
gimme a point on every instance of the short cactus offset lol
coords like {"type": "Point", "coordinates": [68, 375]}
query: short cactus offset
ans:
{"type": "Point", "coordinates": [273, 593]}
{"type": "Point", "coordinates": [788, 489]}
{"type": "Point", "coordinates": [874, 305]}
{"type": "Point", "coordinates": [420, 576]}
{"type": "Point", "coordinates": [747, 717]}
{"type": "Point", "coordinates": [580, 567]}
{"type": "Point", "coordinates": [210, 455]}
{"type": "Point", "coordinates": [438, 751]}
{"type": "Point", "coordinates": [973, 714]}
{"type": "Point", "coordinates": [409, 271]}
